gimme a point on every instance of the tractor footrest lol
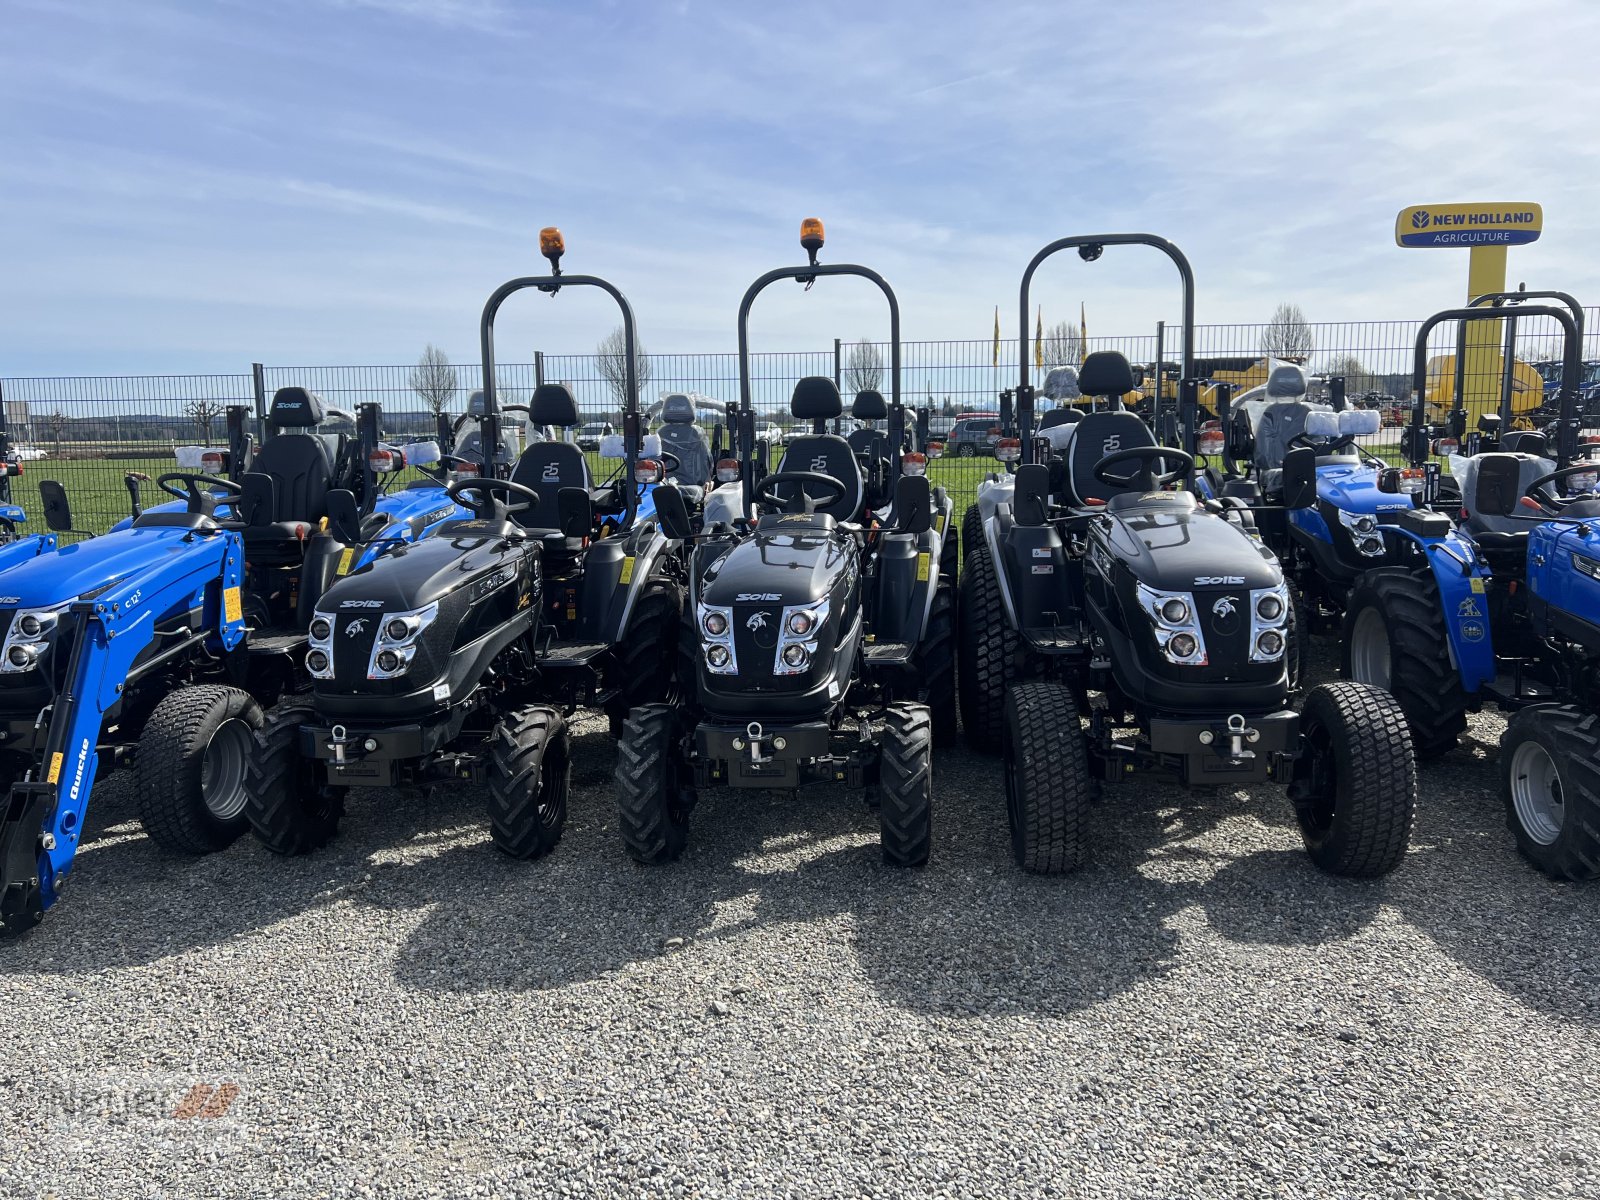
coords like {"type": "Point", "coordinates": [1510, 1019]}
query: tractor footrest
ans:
{"type": "Point", "coordinates": [1052, 638]}
{"type": "Point", "coordinates": [889, 654]}
{"type": "Point", "coordinates": [275, 643]}
{"type": "Point", "coordinates": [569, 655]}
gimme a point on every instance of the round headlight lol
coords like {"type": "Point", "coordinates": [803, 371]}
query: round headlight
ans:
{"type": "Point", "coordinates": [317, 662]}
{"type": "Point", "coordinates": [1365, 525]}
{"type": "Point", "coordinates": [1270, 643]}
{"type": "Point", "coordinates": [1174, 612]}
{"type": "Point", "coordinates": [795, 656]}
{"type": "Point", "coordinates": [716, 624]}
{"type": "Point", "coordinates": [321, 629]}
{"type": "Point", "coordinates": [397, 630]}
{"type": "Point", "coordinates": [718, 656]}
{"type": "Point", "coordinates": [800, 623]}
{"type": "Point", "coordinates": [1269, 608]}
{"type": "Point", "coordinates": [30, 626]}
{"type": "Point", "coordinates": [20, 656]}
{"type": "Point", "coordinates": [1182, 645]}
{"type": "Point", "coordinates": [388, 660]}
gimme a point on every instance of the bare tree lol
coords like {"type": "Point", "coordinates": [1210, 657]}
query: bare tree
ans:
{"type": "Point", "coordinates": [505, 392]}
{"type": "Point", "coordinates": [1062, 346]}
{"type": "Point", "coordinates": [1288, 334]}
{"type": "Point", "coordinates": [1358, 377]}
{"type": "Point", "coordinates": [204, 414]}
{"type": "Point", "coordinates": [863, 370]}
{"type": "Point", "coordinates": [434, 380]}
{"type": "Point", "coordinates": [611, 359]}
{"type": "Point", "coordinates": [56, 422]}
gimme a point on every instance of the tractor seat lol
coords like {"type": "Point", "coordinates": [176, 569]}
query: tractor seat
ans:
{"type": "Point", "coordinates": [869, 405]}
{"type": "Point", "coordinates": [547, 467]}
{"type": "Point", "coordinates": [1100, 434]}
{"type": "Point", "coordinates": [1496, 527]}
{"type": "Point", "coordinates": [816, 398]}
{"type": "Point", "coordinates": [685, 441]}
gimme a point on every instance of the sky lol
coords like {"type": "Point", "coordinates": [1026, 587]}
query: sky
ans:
{"type": "Point", "coordinates": [190, 187]}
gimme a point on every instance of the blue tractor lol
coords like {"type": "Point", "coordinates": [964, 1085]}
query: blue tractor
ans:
{"type": "Point", "coordinates": [159, 641]}
{"type": "Point", "coordinates": [1503, 608]}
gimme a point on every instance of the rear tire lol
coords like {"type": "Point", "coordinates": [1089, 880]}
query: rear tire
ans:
{"type": "Point", "coordinates": [1049, 790]}
{"type": "Point", "coordinates": [291, 809]}
{"type": "Point", "coordinates": [905, 785]}
{"type": "Point", "coordinates": [190, 768]}
{"type": "Point", "coordinates": [934, 665]}
{"type": "Point", "coordinates": [988, 653]}
{"type": "Point", "coordinates": [1355, 784]}
{"type": "Point", "coordinates": [1550, 782]}
{"type": "Point", "coordinates": [950, 554]}
{"type": "Point", "coordinates": [654, 798]}
{"type": "Point", "coordinates": [971, 531]}
{"type": "Point", "coordinates": [530, 773]}
{"type": "Point", "coordinates": [1299, 634]}
{"type": "Point", "coordinates": [1394, 638]}
{"type": "Point", "coordinates": [645, 663]}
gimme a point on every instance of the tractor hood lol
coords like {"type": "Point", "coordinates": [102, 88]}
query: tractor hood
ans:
{"type": "Point", "coordinates": [415, 575]}
{"type": "Point", "coordinates": [1177, 549]}
{"type": "Point", "coordinates": [1354, 489]}
{"type": "Point", "coordinates": [794, 563]}
{"type": "Point", "coordinates": [92, 565]}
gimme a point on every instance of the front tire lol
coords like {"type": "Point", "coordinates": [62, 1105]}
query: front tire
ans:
{"type": "Point", "coordinates": [1394, 638]}
{"type": "Point", "coordinates": [190, 768]}
{"type": "Point", "coordinates": [1550, 782]}
{"type": "Point", "coordinates": [1049, 790]}
{"type": "Point", "coordinates": [530, 773]}
{"type": "Point", "coordinates": [988, 649]}
{"type": "Point", "coordinates": [654, 797]}
{"type": "Point", "coordinates": [934, 665]}
{"type": "Point", "coordinates": [645, 663]}
{"type": "Point", "coordinates": [291, 809]}
{"type": "Point", "coordinates": [905, 785]}
{"type": "Point", "coordinates": [1355, 783]}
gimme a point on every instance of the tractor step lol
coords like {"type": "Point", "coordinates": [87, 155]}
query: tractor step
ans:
{"type": "Point", "coordinates": [889, 654]}
{"type": "Point", "coordinates": [573, 654]}
{"type": "Point", "coordinates": [275, 643]}
{"type": "Point", "coordinates": [1052, 637]}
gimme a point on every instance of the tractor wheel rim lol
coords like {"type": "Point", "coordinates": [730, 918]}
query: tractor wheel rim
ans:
{"type": "Point", "coordinates": [1536, 793]}
{"type": "Point", "coordinates": [222, 769]}
{"type": "Point", "coordinates": [1369, 650]}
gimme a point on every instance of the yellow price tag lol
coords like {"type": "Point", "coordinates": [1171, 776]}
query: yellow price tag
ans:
{"type": "Point", "coordinates": [232, 605]}
{"type": "Point", "coordinates": [627, 570]}
{"type": "Point", "coordinates": [345, 559]}
{"type": "Point", "coordinates": [1477, 585]}
{"type": "Point", "coordinates": [922, 568]}
{"type": "Point", "coordinates": [55, 767]}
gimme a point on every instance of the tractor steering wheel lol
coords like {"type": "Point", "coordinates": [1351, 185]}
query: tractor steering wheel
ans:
{"type": "Point", "coordinates": [193, 491]}
{"type": "Point", "coordinates": [485, 507]}
{"type": "Point", "coordinates": [1146, 479]}
{"type": "Point", "coordinates": [1539, 490]}
{"type": "Point", "coordinates": [668, 460]}
{"type": "Point", "coordinates": [800, 502]}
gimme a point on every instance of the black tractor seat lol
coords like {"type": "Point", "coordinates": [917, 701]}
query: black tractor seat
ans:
{"type": "Point", "coordinates": [816, 399]}
{"type": "Point", "coordinates": [685, 441]}
{"type": "Point", "coordinates": [286, 490]}
{"type": "Point", "coordinates": [548, 467]}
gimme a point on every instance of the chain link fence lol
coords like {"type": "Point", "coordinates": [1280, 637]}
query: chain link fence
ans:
{"type": "Point", "coordinates": [88, 431]}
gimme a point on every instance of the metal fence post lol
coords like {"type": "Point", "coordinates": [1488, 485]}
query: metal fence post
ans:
{"type": "Point", "coordinates": [838, 380]}
{"type": "Point", "coordinates": [538, 368]}
{"type": "Point", "coordinates": [258, 375]}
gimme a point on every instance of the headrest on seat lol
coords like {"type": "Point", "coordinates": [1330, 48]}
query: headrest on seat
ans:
{"type": "Point", "coordinates": [1287, 382]}
{"type": "Point", "coordinates": [1105, 373]}
{"type": "Point", "coordinates": [816, 397]}
{"type": "Point", "coordinates": [677, 409]}
{"type": "Point", "coordinates": [1360, 422]}
{"type": "Point", "coordinates": [1061, 383]}
{"type": "Point", "coordinates": [295, 408]}
{"type": "Point", "coordinates": [552, 404]}
{"type": "Point", "coordinates": [1525, 441]}
{"type": "Point", "coordinates": [869, 405]}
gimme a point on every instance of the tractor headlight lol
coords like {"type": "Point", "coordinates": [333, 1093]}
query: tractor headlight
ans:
{"type": "Point", "coordinates": [28, 638]}
{"type": "Point", "coordinates": [797, 638]}
{"type": "Point", "coordinates": [396, 644]}
{"type": "Point", "coordinates": [716, 626]}
{"type": "Point", "coordinates": [1177, 630]}
{"type": "Point", "coordinates": [318, 664]}
{"type": "Point", "coordinates": [1364, 532]}
{"type": "Point", "coordinates": [1269, 623]}
{"type": "Point", "coordinates": [321, 629]}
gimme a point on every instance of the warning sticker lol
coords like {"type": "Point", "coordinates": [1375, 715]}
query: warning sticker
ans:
{"type": "Point", "coordinates": [232, 605]}
{"type": "Point", "coordinates": [55, 767]}
{"type": "Point", "coordinates": [345, 559]}
{"type": "Point", "coordinates": [922, 568]}
{"type": "Point", "coordinates": [627, 570]}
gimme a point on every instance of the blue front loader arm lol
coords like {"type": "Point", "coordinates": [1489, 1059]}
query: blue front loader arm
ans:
{"type": "Point", "coordinates": [1462, 577]}
{"type": "Point", "coordinates": [44, 813]}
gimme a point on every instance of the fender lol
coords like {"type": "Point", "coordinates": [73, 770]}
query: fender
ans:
{"type": "Point", "coordinates": [994, 535]}
{"type": "Point", "coordinates": [44, 815]}
{"type": "Point", "coordinates": [1310, 523]}
{"type": "Point", "coordinates": [1463, 579]}
{"type": "Point", "coordinates": [624, 571]}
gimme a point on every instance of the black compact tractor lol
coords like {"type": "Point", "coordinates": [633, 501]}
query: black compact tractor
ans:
{"type": "Point", "coordinates": [458, 657]}
{"type": "Point", "coordinates": [1123, 623]}
{"type": "Point", "coordinates": [817, 643]}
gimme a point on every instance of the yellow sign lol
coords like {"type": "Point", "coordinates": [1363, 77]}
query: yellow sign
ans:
{"type": "Point", "coordinates": [922, 568]}
{"type": "Point", "coordinates": [55, 767]}
{"type": "Point", "coordinates": [345, 559]}
{"type": "Point", "coordinates": [627, 570]}
{"type": "Point", "coordinates": [232, 605]}
{"type": "Point", "coordinates": [1465, 226]}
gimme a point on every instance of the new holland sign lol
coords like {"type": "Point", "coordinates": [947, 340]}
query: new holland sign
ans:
{"type": "Point", "coordinates": [1468, 225]}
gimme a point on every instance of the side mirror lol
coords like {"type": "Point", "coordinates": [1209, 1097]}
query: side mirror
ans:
{"type": "Point", "coordinates": [574, 512]}
{"type": "Point", "coordinates": [344, 518]}
{"type": "Point", "coordinates": [1300, 477]}
{"type": "Point", "coordinates": [672, 512]}
{"type": "Point", "coordinates": [57, 512]}
{"type": "Point", "coordinates": [1498, 486]}
{"type": "Point", "coordinates": [913, 504]}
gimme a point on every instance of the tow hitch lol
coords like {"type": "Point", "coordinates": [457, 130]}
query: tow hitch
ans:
{"type": "Point", "coordinates": [1238, 733]}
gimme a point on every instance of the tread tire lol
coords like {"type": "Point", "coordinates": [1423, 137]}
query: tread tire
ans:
{"type": "Point", "coordinates": [905, 785]}
{"type": "Point", "coordinates": [1049, 789]}
{"type": "Point", "coordinates": [1572, 739]}
{"type": "Point", "coordinates": [289, 808]}
{"type": "Point", "coordinates": [169, 768]}
{"type": "Point", "coordinates": [653, 798]}
{"type": "Point", "coordinates": [988, 653]}
{"type": "Point", "coordinates": [529, 777]}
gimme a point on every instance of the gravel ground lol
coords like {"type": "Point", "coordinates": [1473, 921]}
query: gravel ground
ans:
{"type": "Point", "coordinates": [1200, 1013]}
